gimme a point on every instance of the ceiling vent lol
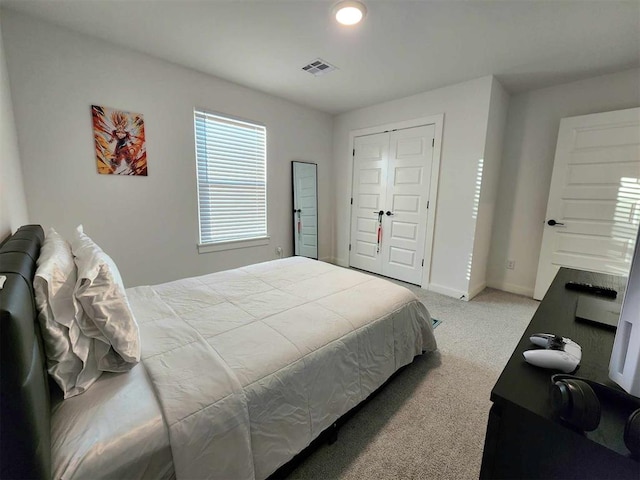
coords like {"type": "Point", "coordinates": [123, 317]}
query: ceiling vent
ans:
{"type": "Point", "coordinates": [319, 67]}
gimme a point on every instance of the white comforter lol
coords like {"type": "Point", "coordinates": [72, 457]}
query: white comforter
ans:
{"type": "Point", "coordinates": [250, 365]}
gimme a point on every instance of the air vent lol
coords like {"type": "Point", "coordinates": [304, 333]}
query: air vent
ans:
{"type": "Point", "coordinates": [319, 67]}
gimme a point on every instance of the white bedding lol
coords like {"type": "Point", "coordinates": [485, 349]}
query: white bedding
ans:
{"type": "Point", "coordinates": [250, 365]}
{"type": "Point", "coordinates": [113, 430]}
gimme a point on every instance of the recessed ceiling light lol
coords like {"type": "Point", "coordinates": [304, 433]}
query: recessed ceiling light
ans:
{"type": "Point", "coordinates": [349, 12]}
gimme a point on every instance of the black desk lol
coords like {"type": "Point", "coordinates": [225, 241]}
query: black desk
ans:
{"type": "Point", "coordinates": [524, 439]}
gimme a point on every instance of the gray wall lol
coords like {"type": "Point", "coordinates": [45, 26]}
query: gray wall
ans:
{"type": "Point", "coordinates": [527, 163]}
{"type": "Point", "coordinates": [466, 113]}
{"type": "Point", "coordinates": [149, 225]}
{"type": "Point", "coordinates": [498, 108]}
{"type": "Point", "coordinates": [13, 203]}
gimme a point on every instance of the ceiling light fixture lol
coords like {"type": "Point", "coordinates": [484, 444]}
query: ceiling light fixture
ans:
{"type": "Point", "coordinates": [349, 12]}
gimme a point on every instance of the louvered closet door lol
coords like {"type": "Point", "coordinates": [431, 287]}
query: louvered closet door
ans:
{"type": "Point", "coordinates": [370, 164]}
{"type": "Point", "coordinates": [408, 184]}
{"type": "Point", "coordinates": [392, 173]}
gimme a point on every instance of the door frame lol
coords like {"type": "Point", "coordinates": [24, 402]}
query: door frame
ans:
{"type": "Point", "coordinates": [438, 122]}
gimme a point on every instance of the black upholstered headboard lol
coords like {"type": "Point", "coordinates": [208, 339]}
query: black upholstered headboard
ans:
{"type": "Point", "coordinates": [25, 438]}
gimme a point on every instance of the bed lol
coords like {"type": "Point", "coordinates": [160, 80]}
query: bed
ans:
{"type": "Point", "coordinates": [240, 370]}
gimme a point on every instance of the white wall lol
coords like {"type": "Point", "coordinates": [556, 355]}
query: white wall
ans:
{"type": "Point", "coordinates": [529, 149]}
{"type": "Point", "coordinates": [147, 224]}
{"type": "Point", "coordinates": [465, 107]}
{"type": "Point", "coordinates": [13, 203]}
{"type": "Point", "coordinates": [498, 108]}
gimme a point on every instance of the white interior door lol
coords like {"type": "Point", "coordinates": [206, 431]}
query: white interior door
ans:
{"type": "Point", "coordinates": [305, 209]}
{"type": "Point", "coordinates": [370, 163]}
{"type": "Point", "coordinates": [594, 201]}
{"type": "Point", "coordinates": [405, 221]}
{"type": "Point", "coordinates": [392, 175]}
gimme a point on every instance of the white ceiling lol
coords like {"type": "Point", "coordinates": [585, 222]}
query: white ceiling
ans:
{"type": "Point", "coordinates": [401, 48]}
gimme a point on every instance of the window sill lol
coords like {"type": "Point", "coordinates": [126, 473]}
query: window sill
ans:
{"type": "Point", "coordinates": [233, 244]}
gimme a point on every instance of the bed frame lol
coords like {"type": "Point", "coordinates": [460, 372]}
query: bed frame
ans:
{"type": "Point", "coordinates": [25, 438]}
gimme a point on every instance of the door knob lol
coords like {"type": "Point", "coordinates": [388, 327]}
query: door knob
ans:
{"type": "Point", "coordinates": [389, 213]}
{"type": "Point", "coordinates": [553, 223]}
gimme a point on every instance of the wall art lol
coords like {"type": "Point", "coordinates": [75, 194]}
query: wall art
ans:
{"type": "Point", "coordinates": [119, 141]}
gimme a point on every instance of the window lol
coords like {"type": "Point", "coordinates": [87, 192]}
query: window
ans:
{"type": "Point", "coordinates": [232, 181]}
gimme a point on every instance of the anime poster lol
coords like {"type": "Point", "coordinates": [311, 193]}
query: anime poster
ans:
{"type": "Point", "coordinates": [120, 142]}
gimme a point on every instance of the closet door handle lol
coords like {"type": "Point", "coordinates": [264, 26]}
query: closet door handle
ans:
{"type": "Point", "coordinates": [389, 213]}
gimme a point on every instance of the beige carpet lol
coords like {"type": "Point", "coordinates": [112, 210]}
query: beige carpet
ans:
{"type": "Point", "coordinates": [430, 420]}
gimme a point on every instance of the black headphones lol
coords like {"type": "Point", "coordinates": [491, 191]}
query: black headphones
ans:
{"type": "Point", "coordinates": [575, 401]}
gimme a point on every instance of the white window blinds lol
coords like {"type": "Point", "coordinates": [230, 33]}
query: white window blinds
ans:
{"type": "Point", "coordinates": [232, 178]}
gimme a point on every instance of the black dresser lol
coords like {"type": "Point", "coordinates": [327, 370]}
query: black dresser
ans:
{"type": "Point", "coordinates": [524, 439]}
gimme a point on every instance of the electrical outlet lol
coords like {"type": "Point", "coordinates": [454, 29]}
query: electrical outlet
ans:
{"type": "Point", "coordinates": [511, 264]}
{"type": "Point", "coordinates": [279, 252]}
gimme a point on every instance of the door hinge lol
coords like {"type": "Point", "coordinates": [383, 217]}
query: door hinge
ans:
{"type": "Point", "coordinates": [351, 200]}
{"type": "Point", "coordinates": [423, 262]}
{"type": "Point", "coordinates": [433, 142]}
{"type": "Point", "coordinates": [349, 247]}
{"type": "Point", "coordinates": [354, 152]}
{"type": "Point", "coordinates": [427, 204]}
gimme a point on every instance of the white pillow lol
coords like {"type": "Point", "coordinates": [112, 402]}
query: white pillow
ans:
{"type": "Point", "coordinates": [54, 283]}
{"type": "Point", "coordinates": [102, 310]}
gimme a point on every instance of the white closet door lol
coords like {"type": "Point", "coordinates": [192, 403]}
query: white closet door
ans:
{"type": "Point", "coordinates": [392, 174]}
{"type": "Point", "coordinates": [405, 220]}
{"type": "Point", "coordinates": [370, 164]}
{"type": "Point", "coordinates": [594, 200]}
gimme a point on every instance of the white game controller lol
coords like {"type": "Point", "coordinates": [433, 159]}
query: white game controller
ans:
{"type": "Point", "coordinates": [559, 353]}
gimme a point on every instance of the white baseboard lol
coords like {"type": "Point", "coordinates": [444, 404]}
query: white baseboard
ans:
{"type": "Point", "coordinates": [341, 262]}
{"type": "Point", "coordinates": [475, 291]}
{"type": "Point", "coordinates": [449, 292]}
{"type": "Point", "coordinates": [513, 288]}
